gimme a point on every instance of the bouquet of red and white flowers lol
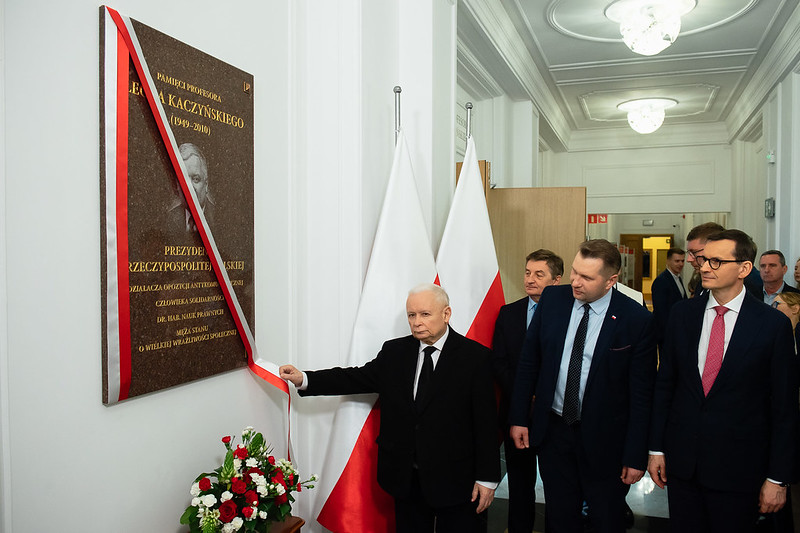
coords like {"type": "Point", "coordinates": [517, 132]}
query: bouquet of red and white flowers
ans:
{"type": "Point", "coordinates": [252, 489]}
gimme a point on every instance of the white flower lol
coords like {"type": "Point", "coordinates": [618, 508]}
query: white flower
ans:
{"type": "Point", "coordinates": [228, 528]}
{"type": "Point", "coordinates": [262, 490]}
{"type": "Point", "coordinates": [237, 464]}
{"type": "Point", "coordinates": [252, 462]}
{"type": "Point", "coordinates": [262, 515]}
{"type": "Point", "coordinates": [209, 500]}
{"type": "Point", "coordinates": [195, 501]}
{"type": "Point", "coordinates": [248, 429]}
{"type": "Point", "coordinates": [254, 514]}
{"type": "Point", "coordinates": [225, 496]}
{"type": "Point", "coordinates": [279, 489]}
{"type": "Point", "coordinates": [195, 491]}
{"type": "Point", "coordinates": [258, 479]}
{"type": "Point", "coordinates": [237, 522]}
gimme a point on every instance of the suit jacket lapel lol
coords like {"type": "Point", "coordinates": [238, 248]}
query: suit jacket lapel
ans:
{"type": "Point", "coordinates": [409, 369]}
{"type": "Point", "coordinates": [605, 336]}
{"type": "Point", "coordinates": [694, 327]}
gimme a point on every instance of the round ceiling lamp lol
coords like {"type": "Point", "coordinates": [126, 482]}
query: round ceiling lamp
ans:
{"type": "Point", "coordinates": [649, 26]}
{"type": "Point", "coordinates": [646, 115]}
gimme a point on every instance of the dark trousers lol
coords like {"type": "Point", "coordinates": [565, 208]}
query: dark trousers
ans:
{"type": "Point", "coordinates": [521, 468]}
{"type": "Point", "coordinates": [694, 508]}
{"type": "Point", "coordinates": [568, 480]}
{"type": "Point", "coordinates": [415, 515]}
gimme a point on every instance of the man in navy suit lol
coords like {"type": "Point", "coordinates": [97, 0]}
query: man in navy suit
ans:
{"type": "Point", "coordinates": [542, 269]}
{"type": "Point", "coordinates": [589, 357]}
{"type": "Point", "coordinates": [772, 266]}
{"type": "Point", "coordinates": [725, 406]}
{"type": "Point", "coordinates": [437, 447]}
{"type": "Point", "coordinates": [668, 289]}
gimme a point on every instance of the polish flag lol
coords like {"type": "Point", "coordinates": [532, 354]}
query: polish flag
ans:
{"type": "Point", "coordinates": [467, 262]}
{"type": "Point", "coordinates": [401, 258]}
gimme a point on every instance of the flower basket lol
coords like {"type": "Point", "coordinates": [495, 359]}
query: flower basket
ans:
{"type": "Point", "coordinates": [250, 491]}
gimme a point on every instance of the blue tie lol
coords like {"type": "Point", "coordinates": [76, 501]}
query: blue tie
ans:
{"type": "Point", "coordinates": [531, 310]}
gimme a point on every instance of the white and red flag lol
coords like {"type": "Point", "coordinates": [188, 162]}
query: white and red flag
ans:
{"type": "Point", "coordinates": [401, 258]}
{"type": "Point", "coordinates": [467, 262]}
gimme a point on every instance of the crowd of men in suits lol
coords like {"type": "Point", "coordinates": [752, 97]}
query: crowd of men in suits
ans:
{"type": "Point", "coordinates": [702, 394]}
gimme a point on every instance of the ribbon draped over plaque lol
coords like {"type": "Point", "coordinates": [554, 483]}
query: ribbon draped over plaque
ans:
{"type": "Point", "coordinates": [122, 36]}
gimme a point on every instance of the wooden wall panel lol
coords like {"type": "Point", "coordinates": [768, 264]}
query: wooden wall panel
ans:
{"type": "Point", "coordinates": [525, 219]}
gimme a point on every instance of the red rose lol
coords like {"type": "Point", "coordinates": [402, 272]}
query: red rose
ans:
{"type": "Point", "coordinates": [277, 477]}
{"type": "Point", "coordinates": [251, 497]}
{"type": "Point", "coordinates": [299, 488]}
{"type": "Point", "coordinates": [247, 512]}
{"type": "Point", "coordinates": [291, 479]}
{"type": "Point", "coordinates": [283, 498]}
{"type": "Point", "coordinates": [227, 511]}
{"type": "Point", "coordinates": [226, 439]}
{"type": "Point", "coordinates": [240, 453]}
{"type": "Point", "coordinates": [254, 470]}
{"type": "Point", "coordinates": [238, 486]}
{"type": "Point", "coordinates": [205, 484]}
{"type": "Point", "coordinates": [271, 460]}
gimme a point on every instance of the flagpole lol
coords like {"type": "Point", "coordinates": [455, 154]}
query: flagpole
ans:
{"type": "Point", "coordinates": [469, 119]}
{"type": "Point", "coordinates": [397, 91]}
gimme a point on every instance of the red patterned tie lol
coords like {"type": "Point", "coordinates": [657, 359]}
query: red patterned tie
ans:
{"type": "Point", "coordinates": [716, 347]}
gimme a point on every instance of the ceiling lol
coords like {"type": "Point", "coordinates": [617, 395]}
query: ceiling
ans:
{"type": "Point", "coordinates": [568, 58]}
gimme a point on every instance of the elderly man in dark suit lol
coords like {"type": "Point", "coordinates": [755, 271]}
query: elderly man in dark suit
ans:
{"type": "Point", "coordinates": [437, 453]}
{"type": "Point", "coordinates": [668, 289]}
{"type": "Point", "coordinates": [590, 359]}
{"type": "Point", "coordinates": [725, 406]}
{"type": "Point", "coordinates": [543, 268]}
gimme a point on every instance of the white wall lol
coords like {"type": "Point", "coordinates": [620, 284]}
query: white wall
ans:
{"type": "Point", "coordinates": [127, 467]}
{"type": "Point", "coordinates": [53, 279]}
{"type": "Point", "coordinates": [651, 180]}
{"type": "Point", "coordinates": [781, 116]}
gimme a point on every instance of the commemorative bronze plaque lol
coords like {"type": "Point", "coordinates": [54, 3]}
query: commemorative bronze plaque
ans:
{"type": "Point", "coordinates": [166, 319]}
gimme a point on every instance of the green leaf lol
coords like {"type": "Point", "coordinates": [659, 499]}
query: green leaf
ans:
{"type": "Point", "coordinates": [256, 444]}
{"type": "Point", "coordinates": [227, 471]}
{"type": "Point", "coordinates": [188, 514]}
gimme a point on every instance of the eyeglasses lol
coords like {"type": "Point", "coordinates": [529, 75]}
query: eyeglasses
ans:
{"type": "Point", "coordinates": [694, 253]}
{"type": "Point", "coordinates": [775, 304]}
{"type": "Point", "coordinates": [713, 262]}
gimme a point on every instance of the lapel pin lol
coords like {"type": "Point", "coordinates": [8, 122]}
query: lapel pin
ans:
{"type": "Point", "coordinates": [613, 317]}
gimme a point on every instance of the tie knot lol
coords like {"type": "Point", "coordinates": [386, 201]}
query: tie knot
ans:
{"type": "Point", "coordinates": [720, 309]}
{"type": "Point", "coordinates": [586, 308]}
{"type": "Point", "coordinates": [429, 350]}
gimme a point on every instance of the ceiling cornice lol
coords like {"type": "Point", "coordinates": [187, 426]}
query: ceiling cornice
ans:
{"type": "Point", "coordinates": [499, 31]}
{"type": "Point", "coordinates": [782, 57]}
{"type": "Point", "coordinates": [473, 75]}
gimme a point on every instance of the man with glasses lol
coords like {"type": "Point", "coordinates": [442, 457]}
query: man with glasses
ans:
{"type": "Point", "coordinates": [725, 405]}
{"type": "Point", "coordinates": [695, 243]}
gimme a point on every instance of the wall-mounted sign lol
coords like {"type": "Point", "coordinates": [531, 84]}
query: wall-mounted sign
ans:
{"type": "Point", "coordinates": [176, 188]}
{"type": "Point", "coordinates": [595, 218]}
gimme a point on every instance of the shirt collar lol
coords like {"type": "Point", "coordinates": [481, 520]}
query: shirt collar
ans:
{"type": "Point", "coordinates": [734, 305]}
{"type": "Point", "coordinates": [438, 344]}
{"type": "Point", "coordinates": [599, 306]}
{"type": "Point", "coordinates": [531, 303]}
{"type": "Point", "coordinates": [780, 290]}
